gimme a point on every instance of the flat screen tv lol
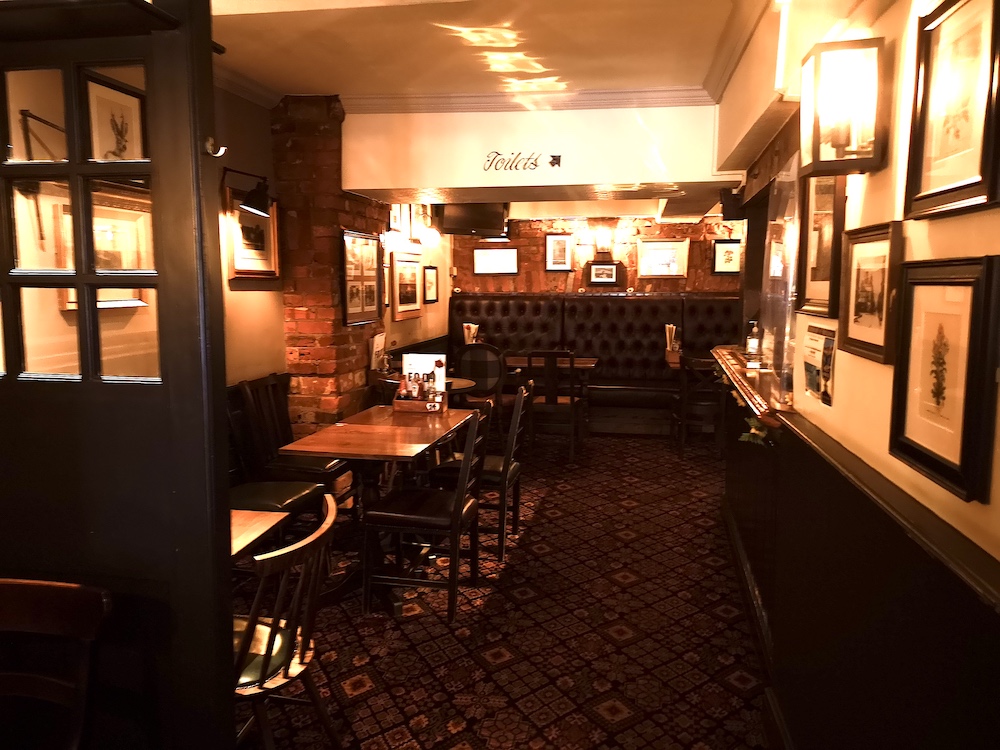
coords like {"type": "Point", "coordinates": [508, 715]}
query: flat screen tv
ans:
{"type": "Point", "coordinates": [480, 219]}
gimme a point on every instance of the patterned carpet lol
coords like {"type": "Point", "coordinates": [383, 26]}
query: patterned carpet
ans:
{"type": "Point", "coordinates": [616, 622]}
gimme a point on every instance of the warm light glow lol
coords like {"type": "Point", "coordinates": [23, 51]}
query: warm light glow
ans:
{"type": "Point", "coordinates": [394, 240]}
{"type": "Point", "coordinates": [533, 85]}
{"type": "Point", "coordinates": [485, 36]}
{"type": "Point", "coordinates": [429, 237]}
{"type": "Point", "coordinates": [513, 62]}
{"type": "Point", "coordinates": [847, 100]}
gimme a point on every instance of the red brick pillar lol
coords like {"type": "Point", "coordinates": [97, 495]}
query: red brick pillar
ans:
{"type": "Point", "coordinates": [328, 360]}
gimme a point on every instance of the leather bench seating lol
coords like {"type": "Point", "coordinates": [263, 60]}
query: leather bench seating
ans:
{"type": "Point", "coordinates": [626, 333]}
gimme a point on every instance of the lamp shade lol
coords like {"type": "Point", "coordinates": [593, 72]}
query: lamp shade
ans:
{"type": "Point", "coordinates": [843, 116]}
{"type": "Point", "coordinates": [257, 201]}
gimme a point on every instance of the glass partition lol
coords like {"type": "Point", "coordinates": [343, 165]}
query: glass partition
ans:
{"type": "Point", "coordinates": [36, 116]}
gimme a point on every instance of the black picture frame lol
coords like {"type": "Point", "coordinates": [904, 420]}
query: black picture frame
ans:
{"type": "Point", "coordinates": [936, 293]}
{"type": "Point", "coordinates": [114, 106]}
{"type": "Point", "coordinates": [362, 289]}
{"type": "Point", "coordinates": [976, 185]}
{"type": "Point", "coordinates": [607, 274]}
{"type": "Point", "coordinates": [719, 248]}
{"type": "Point", "coordinates": [430, 285]}
{"type": "Point", "coordinates": [869, 285]}
{"type": "Point", "coordinates": [828, 223]}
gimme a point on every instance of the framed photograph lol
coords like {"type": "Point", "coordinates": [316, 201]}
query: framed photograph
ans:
{"type": "Point", "coordinates": [362, 259]}
{"type": "Point", "coordinates": [944, 388]}
{"type": "Point", "coordinates": [117, 120]}
{"type": "Point", "coordinates": [952, 163]}
{"type": "Point", "coordinates": [559, 252]}
{"type": "Point", "coordinates": [868, 287]}
{"type": "Point", "coordinates": [663, 259]}
{"type": "Point", "coordinates": [494, 260]}
{"type": "Point", "coordinates": [604, 274]}
{"type": "Point", "coordinates": [824, 203]}
{"type": "Point", "coordinates": [252, 239]}
{"type": "Point", "coordinates": [123, 240]}
{"type": "Point", "coordinates": [405, 272]}
{"type": "Point", "coordinates": [399, 218]}
{"type": "Point", "coordinates": [727, 255]}
{"type": "Point", "coordinates": [430, 284]}
{"type": "Point", "coordinates": [386, 286]}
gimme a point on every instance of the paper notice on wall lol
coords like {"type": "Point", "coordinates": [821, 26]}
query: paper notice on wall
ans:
{"type": "Point", "coordinates": [817, 349]}
{"type": "Point", "coordinates": [378, 349]}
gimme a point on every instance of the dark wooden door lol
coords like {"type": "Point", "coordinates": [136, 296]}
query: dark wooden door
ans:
{"type": "Point", "coordinates": [112, 439]}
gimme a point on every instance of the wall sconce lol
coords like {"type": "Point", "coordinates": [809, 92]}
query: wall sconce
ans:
{"type": "Point", "coordinates": [257, 201]}
{"type": "Point", "coordinates": [843, 117]}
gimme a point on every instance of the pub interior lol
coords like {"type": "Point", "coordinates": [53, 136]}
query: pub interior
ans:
{"type": "Point", "coordinates": [507, 374]}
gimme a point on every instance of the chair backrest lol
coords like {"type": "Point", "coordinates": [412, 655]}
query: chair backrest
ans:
{"type": "Point", "coordinates": [266, 404]}
{"type": "Point", "coordinates": [268, 645]}
{"type": "Point", "coordinates": [554, 373]}
{"type": "Point", "coordinates": [484, 364]}
{"type": "Point", "coordinates": [473, 457]}
{"type": "Point", "coordinates": [518, 425]}
{"type": "Point", "coordinates": [699, 379]}
{"type": "Point", "coordinates": [66, 611]}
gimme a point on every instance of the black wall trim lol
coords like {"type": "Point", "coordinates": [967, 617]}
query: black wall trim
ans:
{"type": "Point", "coordinates": [970, 562]}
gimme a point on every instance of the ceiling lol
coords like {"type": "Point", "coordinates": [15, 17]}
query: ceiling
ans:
{"type": "Point", "coordinates": [422, 56]}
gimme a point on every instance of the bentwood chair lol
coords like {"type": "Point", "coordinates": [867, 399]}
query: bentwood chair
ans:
{"type": "Point", "coordinates": [429, 512]}
{"type": "Point", "coordinates": [500, 473]}
{"type": "Point", "coordinates": [559, 403]}
{"type": "Point", "coordinates": [47, 633]}
{"type": "Point", "coordinates": [273, 644]}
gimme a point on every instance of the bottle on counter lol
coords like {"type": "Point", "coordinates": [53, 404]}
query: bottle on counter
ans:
{"type": "Point", "coordinates": [403, 392]}
{"type": "Point", "coordinates": [414, 386]}
{"type": "Point", "coordinates": [431, 386]}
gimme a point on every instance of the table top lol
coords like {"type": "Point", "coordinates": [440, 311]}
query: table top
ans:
{"type": "Point", "coordinates": [453, 385]}
{"type": "Point", "coordinates": [579, 363]}
{"type": "Point", "coordinates": [248, 526]}
{"type": "Point", "coordinates": [381, 434]}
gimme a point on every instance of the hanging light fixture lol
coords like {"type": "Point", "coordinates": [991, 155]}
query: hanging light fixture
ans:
{"type": "Point", "coordinates": [844, 125]}
{"type": "Point", "coordinates": [257, 201]}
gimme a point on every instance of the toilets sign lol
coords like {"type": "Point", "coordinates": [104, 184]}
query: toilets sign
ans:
{"type": "Point", "coordinates": [518, 161]}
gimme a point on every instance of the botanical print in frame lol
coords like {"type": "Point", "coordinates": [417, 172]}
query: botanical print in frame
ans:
{"type": "Point", "coordinates": [430, 284]}
{"type": "Point", "coordinates": [869, 286]}
{"type": "Point", "coordinates": [559, 252]}
{"type": "Point", "coordinates": [663, 259]}
{"type": "Point", "coordinates": [944, 388]}
{"type": "Point", "coordinates": [727, 256]}
{"type": "Point", "coordinates": [952, 138]}
{"type": "Point", "coordinates": [116, 120]}
{"type": "Point", "coordinates": [253, 241]}
{"type": "Point", "coordinates": [824, 202]}
{"type": "Point", "coordinates": [405, 271]}
{"type": "Point", "coordinates": [362, 257]}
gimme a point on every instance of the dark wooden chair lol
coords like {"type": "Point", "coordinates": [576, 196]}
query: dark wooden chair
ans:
{"type": "Point", "coordinates": [702, 400]}
{"type": "Point", "coordinates": [273, 644]}
{"type": "Point", "coordinates": [428, 513]}
{"type": "Point", "coordinates": [559, 403]}
{"type": "Point", "coordinates": [68, 617]}
{"type": "Point", "coordinates": [484, 364]}
{"type": "Point", "coordinates": [500, 473]}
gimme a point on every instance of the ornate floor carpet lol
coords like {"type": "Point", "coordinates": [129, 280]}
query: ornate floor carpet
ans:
{"type": "Point", "coordinates": [616, 622]}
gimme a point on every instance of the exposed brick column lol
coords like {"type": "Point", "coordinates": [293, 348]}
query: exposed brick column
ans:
{"type": "Point", "coordinates": [328, 360]}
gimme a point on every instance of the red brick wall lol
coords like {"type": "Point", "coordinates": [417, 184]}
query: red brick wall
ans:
{"type": "Point", "coordinates": [529, 239]}
{"type": "Point", "coordinates": [327, 359]}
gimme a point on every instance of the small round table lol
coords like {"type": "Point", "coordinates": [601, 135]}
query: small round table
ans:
{"type": "Point", "coordinates": [452, 385]}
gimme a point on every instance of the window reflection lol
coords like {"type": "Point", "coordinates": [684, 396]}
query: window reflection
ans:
{"type": "Point", "coordinates": [130, 343]}
{"type": "Point", "coordinates": [43, 224]}
{"type": "Point", "coordinates": [36, 115]}
{"type": "Point", "coordinates": [123, 228]}
{"type": "Point", "coordinates": [51, 344]}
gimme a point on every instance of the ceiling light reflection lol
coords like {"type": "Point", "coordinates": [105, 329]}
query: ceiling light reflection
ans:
{"type": "Point", "coordinates": [485, 36]}
{"type": "Point", "coordinates": [533, 85]}
{"type": "Point", "coordinates": [513, 62]}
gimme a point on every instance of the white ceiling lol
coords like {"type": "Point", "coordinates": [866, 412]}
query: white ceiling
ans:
{"type": "Point", "coordinates": [413, 55]}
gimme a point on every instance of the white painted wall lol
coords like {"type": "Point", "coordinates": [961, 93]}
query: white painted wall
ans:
{"type": "Point", "coordinates": [859, 416]}
{"type": "Point", "coordinates": [444, 150]}
{"type": "Point", "coordinates": [433, 320]}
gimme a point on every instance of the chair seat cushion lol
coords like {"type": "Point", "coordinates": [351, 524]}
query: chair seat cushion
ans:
{"type": "Point", "coordinates": [446, 473]}
{"type": "Point", "coordinates": [319, 464]}
{"type": "Point", "coordinates": [288, 497]}
{"type": "Point", "coordinates": [420, 507]}
{"type": "Point", "coordinates": [284, 644]}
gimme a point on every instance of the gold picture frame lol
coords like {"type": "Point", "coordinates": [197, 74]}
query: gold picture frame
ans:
{"type": "Point", "coordinates": [405, 270]}
{"type": "Point", "coordinates": [252, 240]}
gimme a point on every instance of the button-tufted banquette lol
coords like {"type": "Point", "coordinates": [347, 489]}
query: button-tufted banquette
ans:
{"type": "Point", "coordinates": [625, 332]}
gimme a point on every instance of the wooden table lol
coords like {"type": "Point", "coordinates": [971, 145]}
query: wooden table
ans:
{"type": "Point", "coordinates": [579, 363]}
{"type": "Point", "coordinates": [248, 526]}
{"type": "Point", "coordinates": [452, 385]}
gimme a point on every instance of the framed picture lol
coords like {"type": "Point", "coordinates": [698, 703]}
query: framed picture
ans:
{"type": "Point", "coordinates": [386, 286]}
{"type": "Point", "coordinates": [824, 203]}
{"type": "Point", "coordinates": [252, 239]}
{"type": "Point", "coordinates": [726, 256]}
{"type": "Point", "coordinates": [117, 119]}
{"type": "Point", "coordinates": [399, 218]}
{"type": "Point", "coordinates": [559, 252]}
{"type": "Point", "coordinates": [952, 164]}
{"type": "Point", "coordinates": [868, 287]}
{"type": "Point", "coordinates": [430, 284]}
{"type": "Point", "coordinates": [605, 274]}
{"type": "Point", "coordinates": [494, 260]}
{"type": "Point", "coordinates": [123, 240]}
{"type": "Point", "coordinates": [663, 259]}
{"type": "Point", "coordinates": [405, 271]}
{"type": "Point", "coordinates": [944, 389]}
{"type": "Point", "coordinates": [362, 259]}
